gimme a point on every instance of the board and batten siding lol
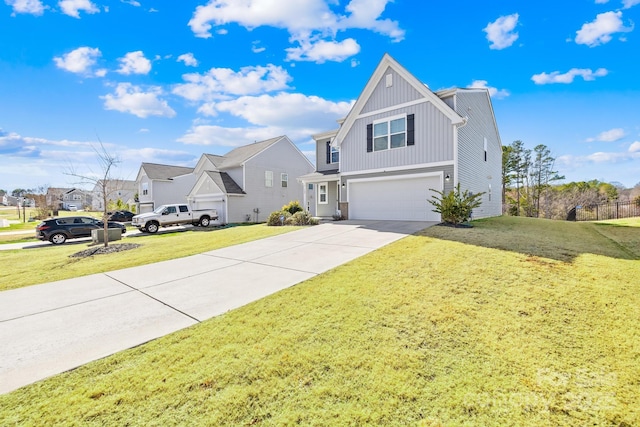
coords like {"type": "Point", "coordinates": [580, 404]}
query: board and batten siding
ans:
{"type": "Point", "coordinates": [281, 157]}
{"type": "Point", "coordinates": [399, 92]}
{"type": "Point", "coordinates": [474, 173]}
{"type": "Point", "coordinates": [434, 135]}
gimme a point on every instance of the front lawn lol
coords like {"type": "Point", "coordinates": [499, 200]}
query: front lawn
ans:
{"type": "Point", "coordinates": [51, 263]}
{"type": "Point", "coordinates": [516, 322]}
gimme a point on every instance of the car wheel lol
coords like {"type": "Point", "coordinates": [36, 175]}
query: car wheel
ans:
{"type": "Point", "coordinates": [204, 221]}
{"type": "Point", "coordinates": [58, 239]}
{"type": "Point", "coordinates": [152, 227]}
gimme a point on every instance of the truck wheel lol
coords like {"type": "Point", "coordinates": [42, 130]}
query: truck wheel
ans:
{"type": "Point", "coordinates": [204, 221]}
{"type": "Point", "coordinates": [58, 239]}
{"type": "Point", "coordinates": [152, 227]}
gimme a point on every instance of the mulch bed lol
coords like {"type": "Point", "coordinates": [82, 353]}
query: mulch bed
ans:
{"type": "Point", "coordinates": [448, 224]}
{"type": "Point", "coordinates": [99, 250]}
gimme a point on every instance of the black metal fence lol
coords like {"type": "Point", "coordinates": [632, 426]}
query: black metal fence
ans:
{"type": "Point", "coordinates": [613, 210]}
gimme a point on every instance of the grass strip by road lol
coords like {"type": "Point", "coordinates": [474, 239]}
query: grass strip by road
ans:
{"type": "Point", "coordinates": [24, 267]}
{"type": "Point", "coordinates": [516, 322]}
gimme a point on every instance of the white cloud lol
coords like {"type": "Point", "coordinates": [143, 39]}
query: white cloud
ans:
{"type": "Point", "coordinates": [635, 147]}
{"type": "Point", "coordinates": [602, 1]}
{"type": "Point", "coordinates": [321, 51]}
{"type": "Point", "coordinates": [255, 48]}
{"type": "Point", "coordinates": [134, 100]}
{"type": "Point", "coordinates": [220, 82]}
{"type": "Point", "coordinates": [131, 2]}
{"type": "Point", "coordinates": [308, 22]}
{"type": "Point", "coordinates": [227, 137]}
{"type": "Point", "coordinates": [32, 7]}
{"type": "Point", "coordinates": [365, 14]}
{"type": "Point", "coordinates": [493, 92]}
{"type": "Point", "coordinates": [188, 59]}
{"type": "Point", "coordinates": [80, 61]}
{"type": "Point", "coordinates": [555, 77]}
{"type": "Point", "coordinates": [500, 32]}
{"type": "Point", "coordinates": [609, 135]}
{"type": "Point", "coordinates": [629, 3]}
{"type": "Point", "coordinates": [285, 110]}
{"type": "Point", "coordinates": [73, 7]}
{"type": "Point", "coordinates": [134, 63]}
{"type": "Point", "coordinates": [600, 30]}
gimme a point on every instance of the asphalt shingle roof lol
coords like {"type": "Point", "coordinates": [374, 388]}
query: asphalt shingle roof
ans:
{"type": "Point", "coordinates": [158, 171]}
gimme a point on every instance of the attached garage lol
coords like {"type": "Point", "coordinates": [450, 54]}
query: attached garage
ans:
{"type": "Point", "coordinates": [402, 197]}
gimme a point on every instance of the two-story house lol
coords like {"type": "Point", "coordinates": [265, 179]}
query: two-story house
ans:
{"type": "Point", "coordinates": [162, 184]}
{"type": "Point", "coordinates": [251, 181]}
{"type": "Point", "coordinates": [401, 141]}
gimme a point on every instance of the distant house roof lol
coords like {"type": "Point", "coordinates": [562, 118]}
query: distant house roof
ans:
{"type": "Point", "coordinates": [166, 172]}
{"type": "Point", "coordinates": [238, 156]}
{"type": "Point", "coordinates": [225, 182]}
{"type": "Point", "coordinates": [215, 159]}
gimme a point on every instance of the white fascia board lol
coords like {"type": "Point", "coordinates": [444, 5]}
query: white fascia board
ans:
{"type": "Point", "coordinates": [400, 168]}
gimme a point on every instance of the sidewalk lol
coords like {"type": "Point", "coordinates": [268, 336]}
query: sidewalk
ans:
{"type": "Point", "coordinates": [51, 328]}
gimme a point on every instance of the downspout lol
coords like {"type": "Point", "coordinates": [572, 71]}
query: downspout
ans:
{"type": "Point", "coordinates": [457, 126]}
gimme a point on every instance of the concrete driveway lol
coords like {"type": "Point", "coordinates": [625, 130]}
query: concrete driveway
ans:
{"type": "Point", "coordinates": [51, 328]}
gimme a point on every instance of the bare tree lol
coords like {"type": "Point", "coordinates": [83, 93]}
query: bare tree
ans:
{"type": "Point", "coordinates": [107, 163]}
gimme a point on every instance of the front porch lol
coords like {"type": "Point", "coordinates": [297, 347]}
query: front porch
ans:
{"type": "Point", "coordinates": [321, 193]}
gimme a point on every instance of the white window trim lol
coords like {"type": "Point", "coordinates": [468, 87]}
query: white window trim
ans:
{"type": "Point", "coordinates": [334, 150]}
{"type": "Point", "coordinates": [268, 179]}
{"type": "Point", "coordinates": [284, 180]}
{"type": "Point", "coordinates": [326, 193]}
{"type": "Point", "coordinates": [389, 120]}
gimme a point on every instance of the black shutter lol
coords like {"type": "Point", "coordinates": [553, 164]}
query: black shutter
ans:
{"type": "Point", "coordinates": [411, 140]}
{"type": "Point", "coordinates": [369, 138]}
{"type": "Point", "coordinates": [328, 152]}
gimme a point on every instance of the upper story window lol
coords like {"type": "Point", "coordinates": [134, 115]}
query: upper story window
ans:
{"type": "Point", "coordinates": [77, 197]}
{"type": "Point", "coordinates": [485, 149]}
{"type": "Point", "coordinates": [392, 132]}
{"type": "Point", "coordinates": [145, 188]}
{"type": "Point", "coordinates": [335, 155]}
{"type": "Point", "coordinates": [268, 178]}
{"type": "Point", "coordinates": [284, 180]}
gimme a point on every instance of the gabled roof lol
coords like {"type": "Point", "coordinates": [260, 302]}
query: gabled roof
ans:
{"type": "Point", "coordinates": [225, 182]}
{"type": "Point", "coordinates": [379, 73]}
{"type": "Point", "coordinates": [238, 156]}
{"type": "Point", "coordinates": [215, 159]}
{"type": "Point", "coordinates": [166, 172]}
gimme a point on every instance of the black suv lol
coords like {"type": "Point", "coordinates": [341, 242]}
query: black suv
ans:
{"type": "Point", "coordinates": [58, 230]}
{"type": "Point", "coordinates": [121, 216]}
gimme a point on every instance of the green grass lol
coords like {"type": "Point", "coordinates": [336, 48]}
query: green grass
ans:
{"type": "Point", "coordinates": [516, 322]}
{"type": "Point", "coordinates": [52, 263]}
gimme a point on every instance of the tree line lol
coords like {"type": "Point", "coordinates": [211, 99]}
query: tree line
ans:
{"type": "Point", "coordinates": [530, 185]}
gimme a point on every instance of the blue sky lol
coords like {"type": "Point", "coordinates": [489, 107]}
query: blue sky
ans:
{"type": "Point", "coordinates": [165, 81]}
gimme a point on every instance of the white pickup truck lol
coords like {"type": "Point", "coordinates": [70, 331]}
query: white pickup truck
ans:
{"type": "Point", "coordinates": [166, 215]}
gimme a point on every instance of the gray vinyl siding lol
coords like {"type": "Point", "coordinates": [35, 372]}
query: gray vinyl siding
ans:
{"type": "Point", "coordinates": [474, 174]}
{"type": "Point", "coordinates": [321, 157]}
{"type": "Point", "coordinates": [433, 141]}
{"type": "Point", "coordinates": [327, 210]}
{"type": "Point", "coordinates": [382, 97]}
{"type": "Point", "coordinates": [282, 157]}
{"type": "Point", "coordinates": [237, 175]}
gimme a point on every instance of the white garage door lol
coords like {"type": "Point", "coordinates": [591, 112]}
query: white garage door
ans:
{"type": "Point", "coordinates": [396, 198]}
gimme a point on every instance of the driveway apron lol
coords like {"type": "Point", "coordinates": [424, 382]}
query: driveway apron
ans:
{"type": "Point", "coordinates": [54, 327]}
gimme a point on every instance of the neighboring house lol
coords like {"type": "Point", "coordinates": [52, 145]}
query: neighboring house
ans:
{"type": "Point", "coordinates": [117, 189]}
{"type": "Point", "coordinates": [162, 184]}
{"type": "Point", "coordinates": [399, 142]}
{"type": "Point", "coordinates": [63, 198]}
{"type": "Point", "coordinates": [251, 181]}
